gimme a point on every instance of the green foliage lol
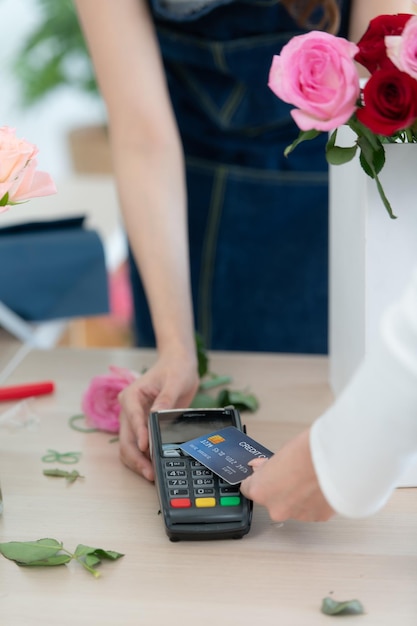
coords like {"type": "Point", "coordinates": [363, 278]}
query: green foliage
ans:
{"type": "Point", "coordinates": [202, 357]}
{"type": "Point", "coordinates": [70, 477]}
{"type": "Point", "coordinates": [370, 146]}
{"type": "Point", "coordinates": [304, 135]}
{"type": "Point", "coordinates": [54, 54]}
{"type": "Point", "coordinates": [50, 552]}
{"type": "Point", "coordinates": [68, 458]}
{"type": "Point", "coordinates": [371, 155]}
{"type": "Point", "coordinates": [349, 607]}
{"type": "Point", "coordinates": [4, 201]}
{"type": "Point", "coordinates": [73, 422]}
{"type": "Point", "coordinates": [25, 553]}
{"type": "Point", "coordinates": [336, 155]}
{"type": "Point", "coordinates": [242, 400]}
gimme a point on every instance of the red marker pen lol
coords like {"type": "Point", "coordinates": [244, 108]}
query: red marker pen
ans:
{"type": "Point", "coordinates": [17, 392]}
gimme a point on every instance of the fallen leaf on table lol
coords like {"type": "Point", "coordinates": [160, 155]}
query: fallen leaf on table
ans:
{"type": "Point", "coordinates": [347, 607]}
{"type": "Point", "coordinates": [50, 552]}
{"type": "Point", "coordinates": [59, 473]}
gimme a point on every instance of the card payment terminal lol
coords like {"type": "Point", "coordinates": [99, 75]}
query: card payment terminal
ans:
{"type": "Point", "coordinates": [195, 503]}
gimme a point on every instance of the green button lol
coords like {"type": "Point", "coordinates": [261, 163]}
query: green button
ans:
{"type": "Point", "coordinates": [230, 501]}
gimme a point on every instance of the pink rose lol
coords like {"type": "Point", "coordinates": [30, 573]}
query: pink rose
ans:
{"type": "Point", "coordinates": [19, 179]}
{"type": "Point", "coordinates": [316, 73]}
{"type": "Point", "coordinates": [402, 50]}
{"type": "Point", "coordinates": [100, 404]}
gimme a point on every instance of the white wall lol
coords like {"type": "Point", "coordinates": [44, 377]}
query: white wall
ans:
{"type": "Point", "coordinates": [47, 123]}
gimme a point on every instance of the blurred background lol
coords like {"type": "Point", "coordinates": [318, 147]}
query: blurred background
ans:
{"type": "Point", "coordinates": [49, 96]}
{"type": "Point", "coordinates": [44, 111]}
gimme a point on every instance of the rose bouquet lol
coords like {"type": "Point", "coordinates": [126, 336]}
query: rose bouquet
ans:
{"type": "Point", "coordinates": [19, 178]}
{"type": "Point", "coordinates": [316, 72]}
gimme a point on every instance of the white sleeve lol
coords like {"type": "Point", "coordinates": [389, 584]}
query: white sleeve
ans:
{"type": "Point", "coordinates": [364, 442]}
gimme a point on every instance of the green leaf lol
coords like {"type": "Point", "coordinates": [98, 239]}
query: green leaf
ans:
{"type": "Point", "coordinates": [384, 199]}
{"type": "Point", "coordinates": [4, 201]}
{"type": "Point", "coordinates": [92, 560]}
{"type": "Point", "coordinates": [46, 552]}
{"type": "Point", "coordinates": [82, 429]}
{"type": "Point", "coordinates": [373, 157]}
{"type": "Point", "coordinates": [363, 131]}
{"type": "Point", "coordinates": [110, 555]}
{"type": "Point", "coordinates": [367, 168]}
{"type": "Point", "coordinates": [68, 458]}
{"type": "Point", "coordinates": [72, 476]}
{"type": "Point", "coordinates": [241, 400]}
{"type": "Point", "coordinates": [59, 473]}
{"type": "Point", "coordinates": [372, 162]}
{"type": "Point", "coordinates": [27, 552]}
{"type": "Point", "coordinates": [204, 401]}
{"type": "Point", "coordinates": [55, 472]}
{"type": "Point", "coordinates": [57, 559]}
{"type": "Point", "coordinates": [304, 135]}
{"type": "Point", "coordinates": [202, 357]}
{"type": "Point", "coordinates": [90, 557]}
{"type": "Point", "coordinates": [336, 155]}
{"type": "Point", "coordinates": [214, 381]}
{"type": "Point", "coordinates": [83, 550]}
{"type": "Point", "coordinates": [332, 140]}
{"type": "Point", "coordinates": [349, 607]}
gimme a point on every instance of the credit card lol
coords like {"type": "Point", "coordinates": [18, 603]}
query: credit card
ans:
{"type": "Point", "coordinates": [227, 453]}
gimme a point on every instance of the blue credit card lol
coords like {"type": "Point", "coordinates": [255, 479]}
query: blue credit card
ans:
{"type": "Point", "coordinates": [227, 453]}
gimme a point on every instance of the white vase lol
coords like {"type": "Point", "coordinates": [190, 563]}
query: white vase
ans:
{"type": "Point", "coordinates": [371, 255]}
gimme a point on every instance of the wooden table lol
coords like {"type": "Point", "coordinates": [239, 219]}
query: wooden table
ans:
{"type": "Point", "coordinates": [278, 574]}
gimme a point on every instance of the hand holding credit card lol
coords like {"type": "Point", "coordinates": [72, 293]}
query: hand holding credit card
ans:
{"type": "Point", "coordinates": [227, 452]}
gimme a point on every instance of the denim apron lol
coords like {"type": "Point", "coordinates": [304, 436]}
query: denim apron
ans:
{"type": "Point", "coordinates": [258, 221]}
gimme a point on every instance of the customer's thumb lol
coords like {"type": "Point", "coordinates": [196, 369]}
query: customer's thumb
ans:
{"type": "Point", "coordinates": [257, 463]}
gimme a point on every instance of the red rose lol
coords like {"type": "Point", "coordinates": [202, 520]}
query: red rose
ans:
{"type": "Point", "coordinates": [372, 52]}
{"type": "Point", "coordinates": [390, 102]}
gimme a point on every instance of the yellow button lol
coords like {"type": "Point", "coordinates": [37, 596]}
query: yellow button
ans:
{"type": "Point", "coordinates": [205, 502]}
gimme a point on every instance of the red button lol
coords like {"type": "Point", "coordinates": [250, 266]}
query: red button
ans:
{"type": "Point", "coordinates": [181, 503]}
